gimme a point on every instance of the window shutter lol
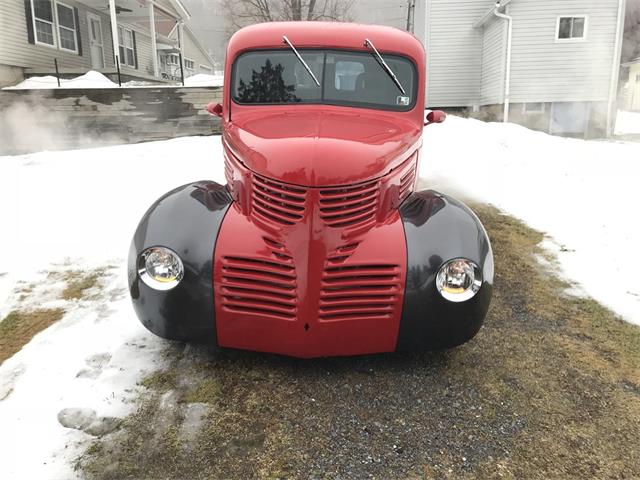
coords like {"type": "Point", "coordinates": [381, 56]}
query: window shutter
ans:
{"type": "Point", "coordinates": [135, 48]}
{"type": "Point", "coordinates": [29, 16]}
{"type": "Point", "coordinates": [78, 35]}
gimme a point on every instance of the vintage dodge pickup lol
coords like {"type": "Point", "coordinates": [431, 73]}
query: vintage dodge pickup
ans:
{"type": "Point", "coordinates": [318, 244]}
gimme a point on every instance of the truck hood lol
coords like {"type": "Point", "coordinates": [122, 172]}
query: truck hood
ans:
{"type": "Point", "coordinates": [321, 148]}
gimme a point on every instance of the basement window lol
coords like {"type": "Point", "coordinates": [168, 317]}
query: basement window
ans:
{"type": "Point", "coordinates": [571, 28]}
{"type": "Point", "coordinates": [533, 107]}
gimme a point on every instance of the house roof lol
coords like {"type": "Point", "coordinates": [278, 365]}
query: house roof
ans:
{"type": "Point", "coordinates": [634, 61]}
{"type": "Point", "coordinates": [486, 16]}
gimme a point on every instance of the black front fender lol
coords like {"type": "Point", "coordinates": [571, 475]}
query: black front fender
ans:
{"type": "Point", "coordinates": [439, 228]}
{"type": "Point", "coordinates": [186, 220]}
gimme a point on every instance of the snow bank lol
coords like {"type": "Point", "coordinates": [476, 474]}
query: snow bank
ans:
{"type": "Point", "coordinates": [627, 123]}
{"type": "Point", "coordinates": [204, 80]}
{"type": "Point", "coordinates": [581, 193]}
{"type": "Point", "coordinates": [85, 205]}
{"type": "Point", "coordinates": [91, 79]}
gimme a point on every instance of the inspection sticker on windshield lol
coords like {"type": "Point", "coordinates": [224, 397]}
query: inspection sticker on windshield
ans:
{"type": "Point", "coordinates": [402, 100]}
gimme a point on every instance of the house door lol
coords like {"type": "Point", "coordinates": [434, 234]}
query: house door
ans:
{"type": "Point", "coordinates": [95, 37]}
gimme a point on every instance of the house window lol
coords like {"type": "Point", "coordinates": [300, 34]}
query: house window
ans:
{"type": "Point", "coordinates": [533, 107]}
{"type": "Point", "coordinates": [66, 28]}
{"type": "Point", "coordinates": [189, 64]}
{"type": "Point", "coordinates": [571, 28]}
{"type": "Point", "coordinates": [44, 22]}
{"type": "Point", "coordinates": [126, 47]}
{"type": "Point", "coordinates": [173, 59]}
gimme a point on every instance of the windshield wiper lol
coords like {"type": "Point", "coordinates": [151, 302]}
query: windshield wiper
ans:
{"type": "Point", "coordinates": [286, 40]}
{"type": "Point", "coordinates": [368, 43]}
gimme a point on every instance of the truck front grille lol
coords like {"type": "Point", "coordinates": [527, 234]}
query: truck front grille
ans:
{"type": "Point", "coordinates": [278, 202]}
{"type": "Point", "coordinates": [359, 291]}
{"type": "Point", "coordinates": [260, 287]}
{"type": "Point", "coordinates": [349, 206]}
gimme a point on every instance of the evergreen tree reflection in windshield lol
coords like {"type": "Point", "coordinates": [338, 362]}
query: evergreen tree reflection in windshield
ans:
{"type": "Point", "coordinates": [267, 86]}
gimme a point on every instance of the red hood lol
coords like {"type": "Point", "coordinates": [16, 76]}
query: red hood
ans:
{"type": "Point", "coordinates": [312, 147]}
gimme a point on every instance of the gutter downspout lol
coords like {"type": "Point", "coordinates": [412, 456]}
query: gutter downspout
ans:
{"type": "Point", "coordinates": [507, 75]}
{"type": "Point", "coordinates": [615, 68]}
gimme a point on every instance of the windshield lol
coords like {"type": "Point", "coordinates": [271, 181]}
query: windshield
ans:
{"type": "Point", "coordinates": [354, 79]}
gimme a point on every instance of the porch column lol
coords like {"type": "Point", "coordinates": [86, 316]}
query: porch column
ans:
{"type": "Point", "coordinates": [152, 27]}
{"type": "Point", "coordinates": [114, 31]}
{"type": "Point", "coordinates": [181, 41]}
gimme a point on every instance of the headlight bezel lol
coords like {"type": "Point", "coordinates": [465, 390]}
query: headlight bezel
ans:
{"type": "Point", "coordinates": [466, 293]}
{"type": "Point", "coordinates": [149, 279]}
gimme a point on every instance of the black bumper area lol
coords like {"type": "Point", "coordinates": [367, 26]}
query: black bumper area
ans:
{"type": "Point", "coordinates": [186, 220]}
{"type": "Point", "coordinates": [439, 228]}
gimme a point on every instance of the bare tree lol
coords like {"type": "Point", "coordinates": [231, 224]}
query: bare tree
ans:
{"type": "Point", "coordinates": [240, 13]}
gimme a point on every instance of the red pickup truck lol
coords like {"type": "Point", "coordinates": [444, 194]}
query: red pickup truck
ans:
{"type": "Point", "coordinates": [318, 244]}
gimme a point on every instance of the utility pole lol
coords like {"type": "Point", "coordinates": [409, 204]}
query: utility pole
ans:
{"type": "Point", "coordinates": [411, 7]}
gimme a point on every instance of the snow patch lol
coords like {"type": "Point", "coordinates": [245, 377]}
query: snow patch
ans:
{"type": "Point", "coordinates": [581, 193]}
{"type": "Point", "coordinates": [627, 123]}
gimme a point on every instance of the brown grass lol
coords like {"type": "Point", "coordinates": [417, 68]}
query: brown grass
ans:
{"type": "Point", "coordinates": [19, 327]}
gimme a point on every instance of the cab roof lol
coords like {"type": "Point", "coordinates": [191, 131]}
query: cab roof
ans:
{"type": "Point", "coordinates": [349, 36]}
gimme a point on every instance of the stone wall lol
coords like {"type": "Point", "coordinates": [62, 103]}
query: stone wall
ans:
{"type": "Point", "coordinates": [34, 120]}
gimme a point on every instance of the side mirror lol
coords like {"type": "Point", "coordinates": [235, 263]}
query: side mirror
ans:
{"type": "Point", "coordinates": [435, 116]}
{"type": "Point", "coordinates": [215, 109]}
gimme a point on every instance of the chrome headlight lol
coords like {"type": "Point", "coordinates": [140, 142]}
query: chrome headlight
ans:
{"type": "Point", "coordinates": [459, 280]}
{"type": "Point", "coordinates": [160, 268]}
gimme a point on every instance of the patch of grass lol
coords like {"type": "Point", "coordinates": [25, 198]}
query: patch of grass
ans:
{"type": "Point", "coordinates": [161, 381]}
{"type": "Point", "coordinates": [78, 282]}
{"type": "Point", "coordinates": [207, 391]}
{"type": "Point", "coordinates": [19, 326]}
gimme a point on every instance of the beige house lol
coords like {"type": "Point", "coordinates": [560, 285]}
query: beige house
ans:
{"type": "Point", "coordinates": [632, 88]}
{"type": "Point", "coordinates": [196, 58]}
{"type": "Point", "coordinates": [82, 35]}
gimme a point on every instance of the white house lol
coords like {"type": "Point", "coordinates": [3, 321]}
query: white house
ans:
{"type": "Point", "coordinates": [549, 64]}
{"type": "Point", "coordinates": [81, 35]}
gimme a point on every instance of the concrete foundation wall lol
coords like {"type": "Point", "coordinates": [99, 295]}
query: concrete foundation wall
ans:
{"type": "Point", "coordinates": [595, 121]}
{"type": "Point", "coordinates": [10, 75]}
{"type": "Point", "coordinates": [34, 120]}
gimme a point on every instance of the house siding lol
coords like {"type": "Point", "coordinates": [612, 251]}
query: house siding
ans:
{"type": "Point", "coordinates": [16, 51]}
{"type": "Point", "coordinates": [191, 50]}
{"type": "Point", "coordinates": [545, 70]}
{"type": "Point", "coordinates": [454, 52]}
{"type": "Point", "coordinates": [493, 62]}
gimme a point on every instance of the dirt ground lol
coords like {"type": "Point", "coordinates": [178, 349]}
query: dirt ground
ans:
{"type": "Point", "coordinates": [550, 388]}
